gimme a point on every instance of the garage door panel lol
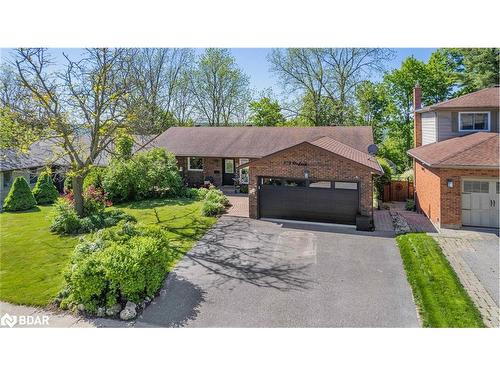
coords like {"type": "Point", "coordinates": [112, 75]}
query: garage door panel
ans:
{"type": "Point", "coordinates": [480, 203]}
{"type": "Point", "coordinates": [310, 204]}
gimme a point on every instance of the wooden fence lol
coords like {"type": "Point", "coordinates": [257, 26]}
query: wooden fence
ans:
{"type": "Point", "coordinates": [398, 191]}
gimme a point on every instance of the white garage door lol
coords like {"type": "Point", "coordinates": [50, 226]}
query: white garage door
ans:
{"type": "Point", "coordinates": [480, 203]}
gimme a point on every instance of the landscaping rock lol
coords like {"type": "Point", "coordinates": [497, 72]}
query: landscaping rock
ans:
{"type": "Point", "coordinates": [101, 311]}
{"type": "Point", "coordinates": [81, 307]}
{"type": "Point", "coordinates": [129, 312]}
{"type": "Point", "coordinates": [113, 310]}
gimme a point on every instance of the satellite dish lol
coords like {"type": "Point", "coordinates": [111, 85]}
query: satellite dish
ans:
{"type": "Point", "coordinates": [372, 149]}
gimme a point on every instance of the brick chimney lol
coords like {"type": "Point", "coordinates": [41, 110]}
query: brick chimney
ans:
{"type": "Point", "coordinates": [417, 117]}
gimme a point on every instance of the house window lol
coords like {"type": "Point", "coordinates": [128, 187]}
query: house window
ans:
{"type": "Point", "coordinates": [244, 172]}
{"type": "Point", "coordinates": [195, 163]}
{"type": "Point", "coordinates": [33, 176]}
{"type": "Point", "coordinates": [474, 121]}
{"type": "Point", "coordinates": [7, 178]}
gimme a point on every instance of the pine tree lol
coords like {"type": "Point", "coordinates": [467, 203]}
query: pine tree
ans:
{"type": "Point", "coordinates": [45, 191]}
{"type": "Point", "coordinates": [20, 197]}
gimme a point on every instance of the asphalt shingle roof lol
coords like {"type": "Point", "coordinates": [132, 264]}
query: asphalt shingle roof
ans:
{"type": "Point", "coordinates": [485, 98]}
{"type": "Point", "coordinates": [478, 150]}
{"type": "Point", "coordinates": [254, 142]}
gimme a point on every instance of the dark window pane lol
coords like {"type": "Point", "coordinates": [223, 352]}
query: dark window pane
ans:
{"type": "Point", "coordinates": [485, 187]}
{"type": "Point", "coordinates": [294, 183]}
{"type": "Point", "coordinates": [271, 181]}
{"type": "Point", "coordinates": [467, 121]}
{"type": "Point", "coordinates": [467, 186]}
{"type": "Point", "coordinates": [7, 178]}
{"type": "Point", "coordinates": [195, 163]}
{"type": "Point", "coordinates": [480, 121]}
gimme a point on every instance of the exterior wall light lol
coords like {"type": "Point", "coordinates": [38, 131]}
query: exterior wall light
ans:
{"type": "Point", "coordinates": [449, 182]}
{"type": "Point", "coordinates": [306, 174]}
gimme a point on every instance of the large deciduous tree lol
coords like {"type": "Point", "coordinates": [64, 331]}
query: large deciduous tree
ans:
{"type": "Point", "coordinates": [158, 88]}
{"type": "Point", "coordinates": [266, 112]}
{"type": "Point", "coordinates": [326, 77]}
{"type": "Point", "coordinates": [476, 68]}
{"type": "Point", "coordinates": [83, 105]}
{"type": "Point", "coordinates": [219, 88]}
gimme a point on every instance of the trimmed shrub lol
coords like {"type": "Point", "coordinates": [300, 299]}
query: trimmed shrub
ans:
{"type": "Point", "coordinates": [45, 191]}
{"type": "Point", "coordinates": [114, 265]}
{"type": "Point", "coordinates": [217, 196]}
{"type": "Point", "coordinates": [211, 208]}
{"type": "Point", "coordinates": [202, 192]}
{"type": "Point", "coordinates": [66, 221]}
{"type": "Point", "coordinates": [149, 174]}
{"type": "Point", "coordinates": [244, 189]}
{"type": "Point", "coordinates": [20, 197]}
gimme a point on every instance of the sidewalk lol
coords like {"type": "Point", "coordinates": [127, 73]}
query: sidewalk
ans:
{"type": "Point", "coordinates": [19, 316]}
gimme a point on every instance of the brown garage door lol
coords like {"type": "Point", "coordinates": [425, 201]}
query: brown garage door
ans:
{"type": "Point", "coordinates": [323, 201]}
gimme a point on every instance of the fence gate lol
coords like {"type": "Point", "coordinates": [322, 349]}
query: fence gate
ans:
{"type": "Point", "coordinates": [398, 191]}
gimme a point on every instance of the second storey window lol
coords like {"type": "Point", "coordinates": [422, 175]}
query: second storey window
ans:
{"type": "Point", "coordinates": [473, 121]}
{"type": "Point", "coordinates": [195, 164]}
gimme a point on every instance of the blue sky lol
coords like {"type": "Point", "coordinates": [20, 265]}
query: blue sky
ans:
{"type": "Point", "coordinates": [254, 63]}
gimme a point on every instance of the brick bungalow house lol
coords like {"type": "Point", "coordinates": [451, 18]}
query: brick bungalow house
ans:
{"type": "Point", "coordinates": [314, 173]}
{"type": "Point", "coordinates": [456, 159]}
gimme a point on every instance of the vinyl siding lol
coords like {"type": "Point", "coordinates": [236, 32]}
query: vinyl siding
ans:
{"type": "Point", "coordinates": [428, 128]}
{"type": "Point", "coordinates": [448, 123]}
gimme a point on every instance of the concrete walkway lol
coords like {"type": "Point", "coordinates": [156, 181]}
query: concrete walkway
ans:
{"type": "Point", "coordinates": [239, 205]}
{"type": "Point", "coordinates": [30, 317]}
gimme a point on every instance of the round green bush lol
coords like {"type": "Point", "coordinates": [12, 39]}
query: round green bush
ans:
{"type": "Point", "coordinates": [217, 196]}
{"type": "Point", "coordinates": [20, 197]}
{"type": "Point", "coordinates": [45, 191]}
{"type": "Point", "coordinates": [149, 174]}
{"type": "Point", "coordinates": [124, 263]}
{"type": "Point", "coordinates": [211, 208]}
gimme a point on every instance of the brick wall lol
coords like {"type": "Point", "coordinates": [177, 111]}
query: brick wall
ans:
{"type": "Point", "coordinates": [427, 187]}
{"type": "Point", "coordinates": [441, 204]}
{"type": "Point", "coordinates": [321, 165]}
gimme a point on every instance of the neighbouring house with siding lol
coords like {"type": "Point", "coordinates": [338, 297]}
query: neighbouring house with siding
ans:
{"type": "Point", "coordinates": [456, 155]}
{"type": "Point", "coordinates": [477, 111]}
{"type": "Point", "coordinates": [41, 154]}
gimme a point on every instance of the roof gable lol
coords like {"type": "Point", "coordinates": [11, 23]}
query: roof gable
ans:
{"type": "Point", "coordinates": [334, 147]}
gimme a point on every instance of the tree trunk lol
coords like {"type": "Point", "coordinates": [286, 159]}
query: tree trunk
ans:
{"type": "Point", "coordinates": [78, 194]}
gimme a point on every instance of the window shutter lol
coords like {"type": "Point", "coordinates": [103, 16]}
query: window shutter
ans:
{"type": "Point", "coordinates": [494, 121]}
{"type": "Point", "coordinates": [454, 122]}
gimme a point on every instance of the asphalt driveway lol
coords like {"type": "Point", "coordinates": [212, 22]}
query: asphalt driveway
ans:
{"type": "Point", "coordinates": [250, 273]}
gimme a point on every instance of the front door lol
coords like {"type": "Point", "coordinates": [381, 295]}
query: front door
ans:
{"type": "Point", "coordinates": [480, 203]}
{"type": "Point", "coordinates": [228, 171]}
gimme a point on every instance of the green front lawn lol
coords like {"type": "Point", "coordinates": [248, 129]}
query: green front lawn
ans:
{"type": "Point", "coordinates": [440, 297]}
{"type": "Point", "coordinates": [32, 260]}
